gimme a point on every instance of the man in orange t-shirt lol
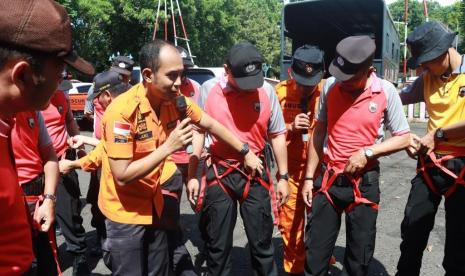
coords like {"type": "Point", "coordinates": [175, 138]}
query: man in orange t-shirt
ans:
{"type": "Point", "coordinates": [140, 132]}
{"type": "Point", "coordinates": [299, 101]}
{"type": "Point", "coordinates": [32, 57]}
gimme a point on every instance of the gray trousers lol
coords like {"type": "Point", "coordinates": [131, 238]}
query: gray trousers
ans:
{"type": "Point", "coordinates": [136, 250]}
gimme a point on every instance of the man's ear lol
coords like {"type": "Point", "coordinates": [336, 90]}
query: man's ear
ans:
{"type": "Point", "coordinates": [21, 75]}
{"type": "Point", "coordinates": [147, 75]}
{"type": "Point", "coordinates": [107, 93]}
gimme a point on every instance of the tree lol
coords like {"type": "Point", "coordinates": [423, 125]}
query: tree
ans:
{"type": "Point", "coordinates": [104, 27]}
{"type": "Point", "coordinates": [450, 16]}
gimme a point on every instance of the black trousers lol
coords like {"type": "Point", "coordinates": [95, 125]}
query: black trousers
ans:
{"type": "Point", "coordinates": [44, 262]}
{"type": "Point", "coordinates": [418, 222]}
{"type": "Point", "coordinates": [98, 219]}
{"type": "Point", "coordinates": [68, 213]}
{"type": "Point", "coordinates": [218, 219]}
{"type": "Point", "coordinates": [136, 250]}
{"type": "Point", "coordinates": [180, 258]}
{"type": "Point", "coordinates": [324, 222]}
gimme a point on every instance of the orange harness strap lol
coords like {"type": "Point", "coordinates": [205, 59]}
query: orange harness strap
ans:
{"type": "Point", "coordinates": [328, 181]}
{"type": "Point", "coordinates": [231, 166]}
{"type": "Point", "coordinates": [51, 235]}
{"type": "Point", "coordinates": [458, 179]}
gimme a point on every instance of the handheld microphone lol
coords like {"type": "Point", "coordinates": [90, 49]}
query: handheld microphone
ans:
{"type": "Point", "coordinates": [303, 107]}
{"type": "Point", "coordinates": [181, 106]}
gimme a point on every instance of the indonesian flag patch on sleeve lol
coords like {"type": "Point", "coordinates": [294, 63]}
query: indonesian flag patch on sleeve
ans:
{"type": "Point", "coordinates": [123, 129]}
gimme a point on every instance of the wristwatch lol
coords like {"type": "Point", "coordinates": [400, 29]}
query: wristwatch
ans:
{"type": "Point", "coordinates": [439, 134]}
{"type": "Point", "coordinates": [284, 176]}
{"type": "Point", "coordinates": [245, 149]}
{"type": "Point", "coordinates": [53, 198]}
{"type": "Point", "coordinates": [368, 153]}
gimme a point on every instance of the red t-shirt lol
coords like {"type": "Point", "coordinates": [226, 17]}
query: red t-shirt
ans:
{"type": "Point", "coordinates": [15, 234]}
{"type": "Point", "coordinates": [30, 139]}
{"type": "Point", "coordinates": [98, 115]}
{"type": "Point", "coordinates": [252, 116]}
{"type": "Point", "coordinates": [356, 123]}
{"type": "Point", "coordinates": [55, 120]}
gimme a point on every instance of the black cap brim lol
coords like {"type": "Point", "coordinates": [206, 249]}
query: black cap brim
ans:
{"type": "Point", "coordinates": [307, 81]}
{"type": "Point", "coordinates": [336, 72]}
{"type": "Point", "coordinates": [187, 62]}
{"type": "Point", "coordinates": [250, 82]}
{"type": "Point", "coordinates": [443, 45]}
{"type": "Point", "coordinates": [121, 71]}
{"type": "Point", "coordinates": [92, 96]}
{"type": "Point", "coordinates": [79, 63]}
{"type": "Point", "coordinates": [65, 85]}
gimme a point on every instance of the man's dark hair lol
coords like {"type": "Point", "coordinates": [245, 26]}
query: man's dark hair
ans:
{"type": "Point", "coordinates": [149, 55]}
{"type": "Point", "coordinates": [35, 59]}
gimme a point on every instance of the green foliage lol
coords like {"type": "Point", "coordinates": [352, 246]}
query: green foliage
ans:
{"type": "Point", "coordinates": [104, 27]}
{"type": "Point", "coordinates": [451, 15]}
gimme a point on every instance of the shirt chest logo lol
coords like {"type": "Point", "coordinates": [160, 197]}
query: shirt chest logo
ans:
{"type": "Point", "coordinates": [462, 91]}
{"type": "Point", "coordinates": [31, 123]}
{"type": "Point", "coordinates": [372, 107]}
{"type": "Point", "coordinates": [141, 123]}
{"type": "Point", "coordinates": [60, 109]}
{"type": "Point", "coordinates": [257, 106]}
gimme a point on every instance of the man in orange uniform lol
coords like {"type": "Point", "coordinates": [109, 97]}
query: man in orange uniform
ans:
{"type": "Point", "coordinates": [35, 43]}
{"type": "Point", "coordinates": [108, 86]}
{"type": "Point", "coordinates": [140, 131]}
{"type": "Point", "coordinates": [299, 101]}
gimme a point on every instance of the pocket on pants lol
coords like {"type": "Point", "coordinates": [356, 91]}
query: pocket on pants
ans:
{"type": "Point", "coordinates": [266, 220]}
{"type": "Point", "coordinates": [369, 186]}
{"type": "Point", "coordinates": [368, 254]}
{"type": "Point", "coordinates": [207, 222]}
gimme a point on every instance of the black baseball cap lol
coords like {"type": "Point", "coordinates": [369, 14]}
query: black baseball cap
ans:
{"type": "Point", "coordinates": [122, 65]}
{"type": "Point", "coordinates": [186, 58]}
{"type": "Point", "coordinates": [427, 42]}
{"type": "Point", "coordinates": [107, 80]}
{"type": "Point", "coordinates": [352, 54]}
{"type": "Point", "coordinates": [307, 67]}
{"type": "Point", "coordinates": [245, 63]}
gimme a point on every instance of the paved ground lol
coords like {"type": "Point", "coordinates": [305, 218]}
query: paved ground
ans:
{"type": "Point", "coordinates": [397, 170]}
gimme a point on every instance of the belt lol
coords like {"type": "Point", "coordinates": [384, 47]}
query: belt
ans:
{"type": "Point", "coordinates": [35, 186]}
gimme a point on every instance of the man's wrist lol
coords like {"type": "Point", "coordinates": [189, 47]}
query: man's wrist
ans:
{"type": "Point", "coordinates": [284, 176]}
{"type": "Point", "coordinates": [439, 135]}
{"type": "Point", "coordinates": [291, 127]}
{"type": "Point", "coordinates": [369, 153]}
{"type": "Point", "coordinates": [245, 149]}
{"type": "Point", "coordinates": [50, 197]}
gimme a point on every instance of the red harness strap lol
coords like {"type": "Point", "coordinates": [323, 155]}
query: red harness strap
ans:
{"type": "Point", "coordinates": [459, 179]}
{"type": "Point", "coordinates": [169, 193]}
{"type": "Point", "coordinates": [328, 181]}
{"type": "Point", "coordinates": [51, 231]}
{"type": "Point", "coordinates": [231, 166]}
